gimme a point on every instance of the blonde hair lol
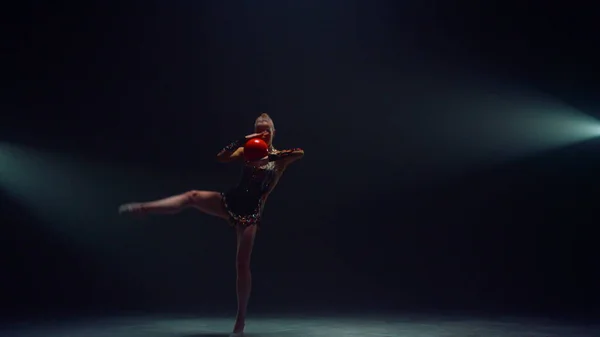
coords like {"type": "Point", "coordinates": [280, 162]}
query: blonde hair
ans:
{"type": "Point", "coordinates": [264, 117]}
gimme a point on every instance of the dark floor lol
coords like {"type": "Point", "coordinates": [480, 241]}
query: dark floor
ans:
{"type": "Point", "coordinates": [296, 326]}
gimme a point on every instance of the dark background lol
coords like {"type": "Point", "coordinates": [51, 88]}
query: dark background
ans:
{"type": "Point", "coordinates": [110, 102]}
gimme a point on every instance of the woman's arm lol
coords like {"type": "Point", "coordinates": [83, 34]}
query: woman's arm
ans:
{"type": "Point", "coordinates": [232, 151]}
{"type": "Point", "coordinates": [287, 156]}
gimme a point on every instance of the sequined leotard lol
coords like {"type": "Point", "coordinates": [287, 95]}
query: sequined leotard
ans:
{"type": "Point", "coordinates": [245, 202]}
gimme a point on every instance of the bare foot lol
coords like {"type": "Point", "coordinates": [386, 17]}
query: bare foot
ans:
{"type": "Point", "coordinates": [238, 328]}
{"type": "Point", "coordinates": [134, 209]}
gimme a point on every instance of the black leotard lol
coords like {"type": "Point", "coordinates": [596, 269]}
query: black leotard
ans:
{"type": "Point", "coordinates": [245, 202]}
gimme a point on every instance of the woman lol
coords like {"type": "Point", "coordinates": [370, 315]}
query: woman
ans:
{"type": "Point", "coordinates": [242, 206]}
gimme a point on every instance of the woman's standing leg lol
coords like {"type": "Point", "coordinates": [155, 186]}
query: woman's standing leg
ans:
{"type": "Point", "coordinates": [245, 242]}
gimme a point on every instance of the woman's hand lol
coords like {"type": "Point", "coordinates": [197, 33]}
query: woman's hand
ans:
{"type": "Point", "coordinates": [262, 135]}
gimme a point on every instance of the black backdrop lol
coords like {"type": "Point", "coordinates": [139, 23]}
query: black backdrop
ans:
{"type": "Point", "coordinates": [132, 100]}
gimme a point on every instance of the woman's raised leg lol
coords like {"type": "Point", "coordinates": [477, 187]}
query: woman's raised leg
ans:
{"type": "Point", "coordinates": [209, 202]}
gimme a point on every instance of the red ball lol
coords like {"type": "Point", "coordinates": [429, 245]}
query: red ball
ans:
{"type": "Point", "coordinates": [255, 149]}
